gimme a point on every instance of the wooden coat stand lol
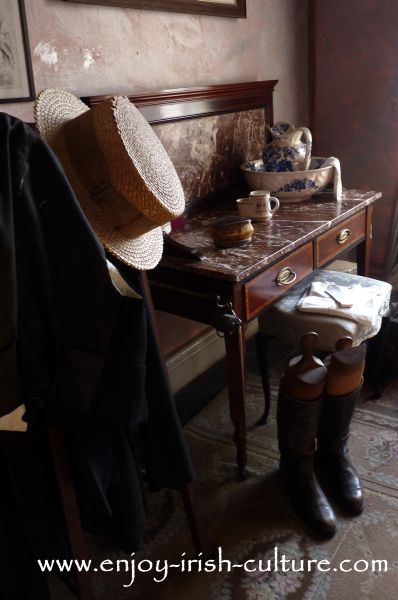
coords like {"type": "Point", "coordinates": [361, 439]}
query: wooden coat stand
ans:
{"type": "Point", "coordinates": [63, 471]}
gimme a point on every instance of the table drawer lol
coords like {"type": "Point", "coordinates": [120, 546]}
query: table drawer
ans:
{"type": "Point", "coordinates": [331, 243]}
{"type": "Point", "coordinates": [267, 287]}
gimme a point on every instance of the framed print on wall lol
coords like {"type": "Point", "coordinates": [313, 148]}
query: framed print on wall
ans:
{"type": "Point", "coordinates": [220, 8]}
{"type": "Point", "coordinates": [16, 80]}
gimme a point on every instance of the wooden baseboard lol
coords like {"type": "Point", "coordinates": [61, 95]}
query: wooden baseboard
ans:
{"type": "Point", "coordinates": [198, 356]}
{"type": "Point", "coordinates": [198, 373]}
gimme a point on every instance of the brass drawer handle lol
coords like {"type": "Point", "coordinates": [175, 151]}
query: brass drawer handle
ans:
{"type": "Point", "coordinates": [286, 276]}
{"type": "Point", "coordinates": [343, 236]}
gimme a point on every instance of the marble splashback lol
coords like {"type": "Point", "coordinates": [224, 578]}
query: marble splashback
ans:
{"type": "Point", "coordinates": [208, 151]}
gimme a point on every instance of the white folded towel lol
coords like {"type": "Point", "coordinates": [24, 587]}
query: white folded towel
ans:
{"type": "Point", "coordinates": [332, 161]}
{"type": "Point", "coordinates": [361, 304]}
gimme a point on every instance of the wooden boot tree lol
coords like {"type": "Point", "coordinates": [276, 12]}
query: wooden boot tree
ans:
{"type": "Point", "coordinates": [345, 368]}
{"type": "Point", "coordinates": [305, 376]}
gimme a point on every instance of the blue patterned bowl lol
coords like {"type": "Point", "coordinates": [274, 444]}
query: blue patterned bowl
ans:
{"type": "Point", "coordinates": [288, 186]}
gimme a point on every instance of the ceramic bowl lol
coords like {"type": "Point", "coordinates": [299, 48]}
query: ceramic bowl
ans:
{"type": "Point", "coordinates": [289, 186]}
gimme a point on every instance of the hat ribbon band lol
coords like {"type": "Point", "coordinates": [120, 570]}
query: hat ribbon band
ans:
{"type": "Point", "coordinates": [89, 164]}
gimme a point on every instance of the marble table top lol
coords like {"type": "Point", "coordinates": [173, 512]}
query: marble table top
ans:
{"type": "Point", "coordinates": [291, 226]}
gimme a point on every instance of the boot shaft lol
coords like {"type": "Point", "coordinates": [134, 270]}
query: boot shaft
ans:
{"type": "Point", "coordinates": [298, 422]}
{"type": "Point", "coordinates": [336, 416]}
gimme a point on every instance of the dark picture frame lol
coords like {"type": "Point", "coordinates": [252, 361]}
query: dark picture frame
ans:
{"type": "Point", "coordinates": [218, 8]}
{"type": "Point", "coordinates": [16, 77]}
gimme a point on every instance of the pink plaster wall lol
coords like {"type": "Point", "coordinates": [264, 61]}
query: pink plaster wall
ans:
{"type": "Point", "coordinates": [90, 49]}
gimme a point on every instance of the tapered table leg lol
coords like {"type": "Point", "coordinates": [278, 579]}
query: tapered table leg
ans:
{"type": "Point", "coordinates": [234, 345]}
{"type": "Point", "coordinates": [364, 249]}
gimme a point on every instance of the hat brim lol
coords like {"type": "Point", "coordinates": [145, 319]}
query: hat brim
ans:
{"type": "Point", "coordinates": [53, 108]}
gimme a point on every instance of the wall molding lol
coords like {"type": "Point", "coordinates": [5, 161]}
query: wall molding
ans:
{"type": "Point", "coordinates": [198, 356]}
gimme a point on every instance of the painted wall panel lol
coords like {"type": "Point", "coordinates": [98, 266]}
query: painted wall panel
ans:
{"type": "Point", "coordinates": [356, 101]}
{"type": "Point", "coordinates": [89, 49]}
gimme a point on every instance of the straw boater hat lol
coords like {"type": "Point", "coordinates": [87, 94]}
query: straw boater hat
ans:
{"type": "Point", "coordinates": [119, 170]}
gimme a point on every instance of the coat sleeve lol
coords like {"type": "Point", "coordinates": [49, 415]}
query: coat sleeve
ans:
{"type": "Point", "coordinates": [10, 394]}
{"type": "Point", "coordinates": [83, 300]}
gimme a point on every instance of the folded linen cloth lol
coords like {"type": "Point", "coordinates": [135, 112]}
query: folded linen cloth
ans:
{"type": "Point", "coordinates": [13, 421]}
{"type": "Point", "coordinates": [364, 305]}
{"type": "Point", "coordinates": [332, 161]}
{"type": "Point", "coordinates": [121, 284]}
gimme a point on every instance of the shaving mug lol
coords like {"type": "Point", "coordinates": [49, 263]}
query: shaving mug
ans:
{"type": "Point", "coordinates": [232, 231]}
{"type": "Point", "coordinates": [258, 205]}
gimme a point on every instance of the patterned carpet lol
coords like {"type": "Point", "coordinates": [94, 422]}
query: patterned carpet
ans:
{"type": "Point", "coordinates": [250, 518]}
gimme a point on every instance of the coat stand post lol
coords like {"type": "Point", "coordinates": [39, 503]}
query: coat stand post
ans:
{"type": "Point", "coordinates": [84, 590]}
{"type": "Point", "coordinates": [186, 490]}
{"type": "Point", "coordinates": [188, 500]}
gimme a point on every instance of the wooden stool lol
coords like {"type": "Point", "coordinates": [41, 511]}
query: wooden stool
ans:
{"type": "Point", "coordinates": [283, 321]}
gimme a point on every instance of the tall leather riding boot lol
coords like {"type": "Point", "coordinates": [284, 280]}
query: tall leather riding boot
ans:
{"type": "Point", "coordinates": [333, 434]}
{"type": "Point", "coordinates": [298, 422]}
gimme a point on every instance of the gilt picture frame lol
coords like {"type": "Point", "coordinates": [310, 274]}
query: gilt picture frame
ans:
{"type": "Point", "coordinates": [219, 8]}
{"type": "Point", "coordinates": [16, 77]}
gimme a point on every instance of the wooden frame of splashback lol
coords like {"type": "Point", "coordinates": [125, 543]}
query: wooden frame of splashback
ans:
{"type": "Point", "coordinates": [165, 106]}
{"type": "Point", "coordinates": [218, 8]}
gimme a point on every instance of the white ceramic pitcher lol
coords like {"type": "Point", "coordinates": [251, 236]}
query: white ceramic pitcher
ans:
{"type": "Point", "coordinates": [286, 151]}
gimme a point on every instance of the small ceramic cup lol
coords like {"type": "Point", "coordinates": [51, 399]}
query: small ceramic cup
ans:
{"type": "Point", "coordinates": [258, 205]}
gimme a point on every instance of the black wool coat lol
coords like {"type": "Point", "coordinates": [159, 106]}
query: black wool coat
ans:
{"type": "Point", "coordinates": [75, 351]}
